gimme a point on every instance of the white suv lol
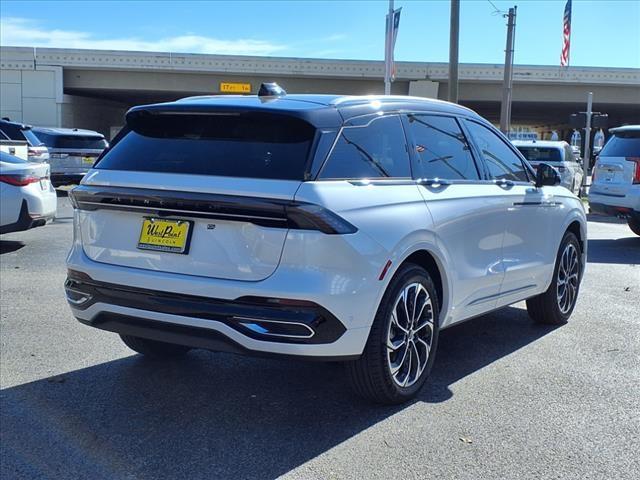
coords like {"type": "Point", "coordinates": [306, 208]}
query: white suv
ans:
{"type": "Point", "coordinates": [615, 185]}
{"type": "Point", "coordinates": [318, 227]}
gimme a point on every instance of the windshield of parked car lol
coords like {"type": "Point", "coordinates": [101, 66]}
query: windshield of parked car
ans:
{"type": "Point", "coordinates": [541, 154]}
{"type": "Point", "coordinates": [71, 142]}
{"type": "Point", "coordinates": [249, 145]}
{"type": "Point", "coordinates": [622, 144]}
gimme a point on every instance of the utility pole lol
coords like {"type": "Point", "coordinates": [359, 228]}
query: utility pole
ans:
{"type": "Point", "coordinates": [505, 108]}
{"type": "Point", "coordinates": [388, 44]}
{"type": "Point", "coordinates": [454, 37]}
{"type": "Point", "coordinates": [587, 140]}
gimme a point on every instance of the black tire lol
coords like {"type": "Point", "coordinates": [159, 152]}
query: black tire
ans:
{"type": "Point", "coordinates": [370, 375]}
{"type": "Point", "coordinates": [545, 308]}
{"type": "Point", "coordinates": [153, 348]}
{"type": "Point", "coordinates": [634, 225]}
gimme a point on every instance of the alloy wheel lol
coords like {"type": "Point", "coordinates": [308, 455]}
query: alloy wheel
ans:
{"type": "Point", "coordinates": [410, 335]}
{"type": "Point", "coordinates": [567, 282]}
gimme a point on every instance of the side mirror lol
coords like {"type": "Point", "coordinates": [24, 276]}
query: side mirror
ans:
{"type": "Point", "coordinates": [547, 175]}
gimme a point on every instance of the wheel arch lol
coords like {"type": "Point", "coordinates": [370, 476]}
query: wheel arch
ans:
{"type": "Point", "coordinates": [432, 262]}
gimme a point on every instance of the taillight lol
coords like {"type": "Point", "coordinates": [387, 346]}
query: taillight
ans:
{"type": "Point", "coordinates": [19, 180]}
{"type": "Point", "coordinates": [636, 172]}
{"type": "Point", "coordinates": [593, 170]}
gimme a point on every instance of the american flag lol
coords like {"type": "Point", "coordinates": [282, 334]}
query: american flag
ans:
{"type": "Point", "coordinates": [566, 35]}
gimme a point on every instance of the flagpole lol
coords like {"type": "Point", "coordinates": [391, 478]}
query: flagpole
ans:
{"type": "Point", "coordinates": [387, 51]}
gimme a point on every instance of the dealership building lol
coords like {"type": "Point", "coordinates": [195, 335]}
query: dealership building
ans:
{"type": "Point", "coordinates": [94, 88]}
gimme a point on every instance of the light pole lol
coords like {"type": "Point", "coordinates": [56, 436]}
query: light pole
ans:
{"type": "Point", "coordinates": [505, 108]}
{"type": "Point", "coordinates": [454, 36]}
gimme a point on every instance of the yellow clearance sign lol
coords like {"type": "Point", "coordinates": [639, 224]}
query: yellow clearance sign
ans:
{"type": "Point", "coordinates": [235, 87]}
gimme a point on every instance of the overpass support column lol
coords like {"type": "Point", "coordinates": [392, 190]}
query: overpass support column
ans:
{"type": "Point", "coordinates": [423, 88]}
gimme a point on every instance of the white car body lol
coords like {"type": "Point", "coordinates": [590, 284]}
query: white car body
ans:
{"type": "Point", "coordinates": [491, 242]}
{"type": "Point", "coordinates": [27, 197]}
{"type": "Point", "coordinates": [615, 189]}
{"type": "Point", "coordinates": [558, 154]}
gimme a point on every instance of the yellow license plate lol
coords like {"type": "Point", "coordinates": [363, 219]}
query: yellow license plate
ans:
{"type": "Point", "coordinates": [170, 236]}
{"type": "Point", "coordinates": [88, 160]}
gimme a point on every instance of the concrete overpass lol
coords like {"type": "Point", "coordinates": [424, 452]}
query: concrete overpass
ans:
{"type": "Point", "coordinates": [93, 88]}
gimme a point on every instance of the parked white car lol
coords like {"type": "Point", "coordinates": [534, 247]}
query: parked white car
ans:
{"type": "Point", "coordinates": [557, 154]}
{"type": "Point", "coordinates": [318, 226]}
{"type": "Point", "coordinates": [615, 185]}
{"type": "Point", "coordinates": [27, 198]}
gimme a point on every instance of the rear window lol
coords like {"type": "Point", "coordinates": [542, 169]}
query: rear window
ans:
{"type": "Point", "coordinates": [541, 154]}
{"type": "Point", "coordinates": [71, 142]}
{"type": "Point", "coordinates": [249, 145]}
{"type": "Point", "coordinates": [622, 144]}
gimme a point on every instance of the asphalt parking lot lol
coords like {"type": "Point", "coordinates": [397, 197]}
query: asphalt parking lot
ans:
{"type": "Point", "coordinates": [507, 399]}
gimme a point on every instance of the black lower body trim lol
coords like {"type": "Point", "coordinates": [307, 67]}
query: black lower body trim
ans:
{"type": "Point", "coordinates": [602, 209]}
{"type": "Point", "coordinates": [186, 335]}
{"type": "Point", "coordinates": [268, 319]}
{"type": "Point", "coordinates": [60, 179]}
{"type": "Point", "coordinates": [25, 221]}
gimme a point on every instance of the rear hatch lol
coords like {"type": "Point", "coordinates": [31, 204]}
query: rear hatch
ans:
{"type": "Point", "coordinates": [618, 165]}
{"type": "Point", "coordinates": [72, 154]}
{"type": "Point", "coordinates": [195, 193]}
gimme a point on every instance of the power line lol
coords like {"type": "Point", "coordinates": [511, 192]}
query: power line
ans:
{"type": "Point", "coordinates": [497, 10]}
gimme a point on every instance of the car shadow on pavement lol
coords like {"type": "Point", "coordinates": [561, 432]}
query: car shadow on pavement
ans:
{"type": "Point", "coordinates": [8, 246]}
{"type": "Point", "coordinates": [624, 250]}
{"type": "Point", "coordinates": [214, 415]}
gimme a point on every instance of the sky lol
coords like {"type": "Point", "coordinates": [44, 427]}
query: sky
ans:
{"type": "Point", "coordinates": [605, 33]}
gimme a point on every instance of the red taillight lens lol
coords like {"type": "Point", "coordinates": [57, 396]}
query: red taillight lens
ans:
{"type": "Point", "coordinates": [636, 172]}
{"type": "Point", "coordinates": [19, 180]}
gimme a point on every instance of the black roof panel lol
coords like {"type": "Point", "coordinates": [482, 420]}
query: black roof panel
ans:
{"type": "Point", "coordinates": [321, 110]}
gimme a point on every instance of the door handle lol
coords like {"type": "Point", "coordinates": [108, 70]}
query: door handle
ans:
{"type": "Point", "coordinates": [434, 182]}
{"type": "Point", "coordinates": [504, 183]}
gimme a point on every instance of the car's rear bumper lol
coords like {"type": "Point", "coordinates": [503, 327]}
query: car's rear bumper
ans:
{"type": "Point", "coordinates": [613, 211]}
{"type": "Point", "coordinates": [627, 204]}
{"type": "Point", "coordinates": [248, 325]}
{"type": "Point", "coordinates": [27, 220]}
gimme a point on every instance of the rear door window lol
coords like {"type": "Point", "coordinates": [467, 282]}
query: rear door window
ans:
{"type": "Point", "coordinates": [249, 145]}
{"type": "Point", "coordinates": [622, 144]}
{"type": "Point", "coordinates": [441, 149]}
{"type": "Point", "coordinates": [377, 150]}
{"type": "Point", "coordinates": [501, 161]}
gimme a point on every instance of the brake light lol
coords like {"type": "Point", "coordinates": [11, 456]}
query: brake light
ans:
{"type": "Point", "coordinates": [636, 172]}
{"type": "Point", "coordinates": [35, 150]}
{"type": "Point", "coordinates": [19, 180]}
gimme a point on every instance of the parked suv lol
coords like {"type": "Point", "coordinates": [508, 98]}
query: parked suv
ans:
{"type": "Point", "coordinates": [36, 150]}
{"type": "Point", "coordinates": [72, 152]}
{"type": "Point", "coordinates": [558, 154]}
{"type": "Point", "coordinates": [318, 226]}
{"type": "Point", "coordinates": [615, 185]}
